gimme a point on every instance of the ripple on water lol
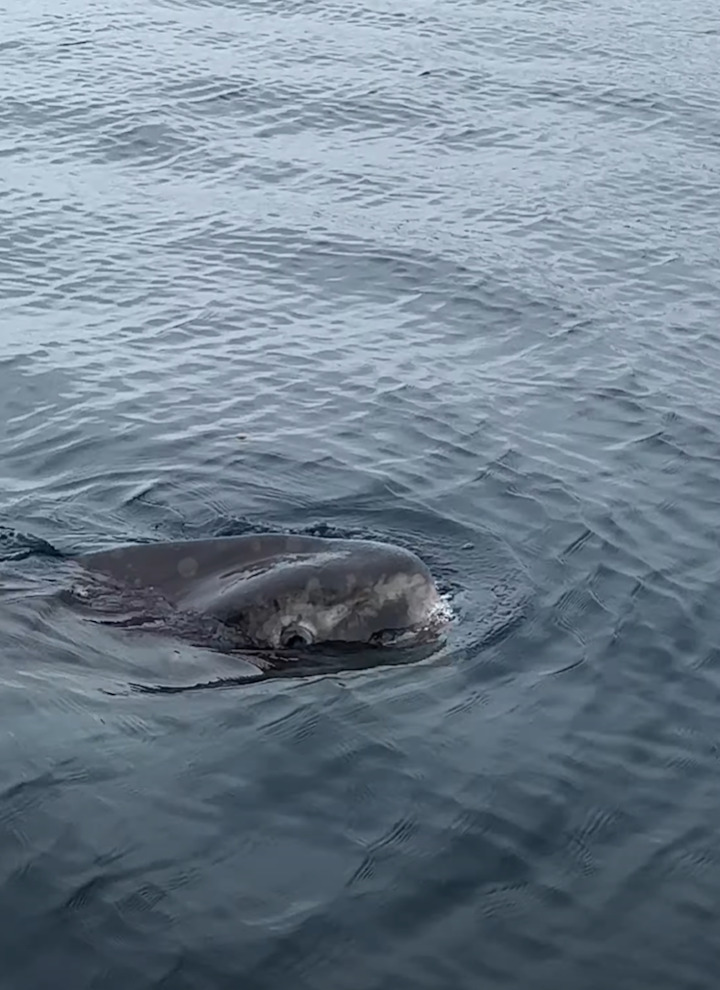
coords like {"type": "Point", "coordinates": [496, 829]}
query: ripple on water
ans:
{"type": "Point", "coordinates": [445, 275]}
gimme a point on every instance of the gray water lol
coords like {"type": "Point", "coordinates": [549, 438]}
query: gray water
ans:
{"type": "Point", "coordinates": [445, 274]}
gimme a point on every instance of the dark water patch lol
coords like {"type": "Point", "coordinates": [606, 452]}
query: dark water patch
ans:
{"type": "Point", "coordinates": [18, 546]}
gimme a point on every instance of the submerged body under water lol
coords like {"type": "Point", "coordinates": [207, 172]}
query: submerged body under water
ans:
{"type": "Point", "coordinates": [444, 276]}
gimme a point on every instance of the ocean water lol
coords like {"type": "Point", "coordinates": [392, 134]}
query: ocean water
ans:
{"type": "Point", "coordinates": [446, 274]}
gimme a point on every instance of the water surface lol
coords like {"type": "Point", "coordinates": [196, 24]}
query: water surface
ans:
{"type": "Point", "coordinates": [444, 274]}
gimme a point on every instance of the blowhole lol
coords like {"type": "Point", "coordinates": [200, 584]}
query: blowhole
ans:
{"type": "Point", "coordinates": [295, 638]}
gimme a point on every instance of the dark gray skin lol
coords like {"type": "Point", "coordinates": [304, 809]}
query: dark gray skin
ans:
{"type": "Point", "coordinates": [284, 591]}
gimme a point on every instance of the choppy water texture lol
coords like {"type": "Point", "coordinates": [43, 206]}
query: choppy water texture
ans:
{"type": "Point", "coordinates": [446, 274]}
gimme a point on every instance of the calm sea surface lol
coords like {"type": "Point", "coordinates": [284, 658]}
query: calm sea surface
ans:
{"type": "Point", "coordinates": [445, 273]}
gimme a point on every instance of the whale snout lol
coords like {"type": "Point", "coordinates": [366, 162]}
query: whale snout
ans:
{"type": "Point", "coordinates": [391, 595]}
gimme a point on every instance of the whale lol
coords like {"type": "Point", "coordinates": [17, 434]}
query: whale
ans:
{"type": "Point", "coordinates": [279, 591]}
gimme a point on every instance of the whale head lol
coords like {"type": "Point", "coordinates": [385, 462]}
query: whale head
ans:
{"type": "Point", "coordinates": [287, 592]}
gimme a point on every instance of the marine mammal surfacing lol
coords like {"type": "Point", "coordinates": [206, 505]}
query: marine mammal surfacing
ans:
{"type": "Point", "coordinates": [275, 590]}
